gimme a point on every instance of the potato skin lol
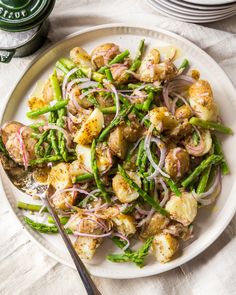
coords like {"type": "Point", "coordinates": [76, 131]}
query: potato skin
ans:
{"type": "Point", "coordinates": [157, 223]}
{"type": "Point", "coordinates": [60, 177]}
{"type": "Point", "coordinates": [182, 209]}
{"type": "Point", "coordinates": [202, 101]}
{"type": "Point", "coordinates": [177, 162]}
{"type": "Point", "coordinates": [183, 112]}
{"type": "Point", "coordinates": [123, 191]}
{"type": "Point", "coordinates": [86, 247]}
{"type": "Point", "coordinates": [162, 119]}
{"type": "Point", "coordinates": [117, 142]}
{"type": "Point", "coordinates": [90, 128]}
{"type": "Point", "coordinates": [147, 70]}
{"type": "Point", "coordinates": [104, 53]}
{"type": "Point", "coordinates": [125, 224]}
{"type": "Point", "coordinates": [81, 57]}
{"type": "Point", "coordinates": [164, 247]}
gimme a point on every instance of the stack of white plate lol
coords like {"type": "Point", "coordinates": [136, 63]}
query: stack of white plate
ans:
{"type": "Point", "coordinates": [195, 11]}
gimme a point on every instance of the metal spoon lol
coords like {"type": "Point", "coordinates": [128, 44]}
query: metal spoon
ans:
{"type": "Point", "coordinates": [25, 180]}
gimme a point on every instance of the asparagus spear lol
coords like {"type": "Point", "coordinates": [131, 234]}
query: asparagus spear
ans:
{"type": "Point", "coordinates": [211, 160]}
{"type": "Point", "coordinates": [117, 59]}
{"type": "Point", "coordinates": [204, 180]}
{"type": "Point", "coordinates": [61, 114]}
{"type": "Point", "coordinates": [43, 228]}
{"type": "Point", "coordinates": [146, 88]}
{"type": "Point", "coordinates": [58, 106]}
{"type": "Point", "coordinates": [184, 65]}
{"type": "Point", "coordinates": [147, 103]}
{"type": "Point", "coordinates": [130, 256]}
{"type": "Point", "coordinates": [38, 147]}
{"type": "Point", "coordinates": [173, 186]}
{"type": "Point", "coordinates": [30, 207]}
{"type": "Point", "coordinates": [108, 110]}
{"type": "Point", "coordinates": [45, 160]}
{"type": "Point", "coordinates": [219, 151]}
{"type": "Point", "coordinates": [90, 176]}
{"type": "Point", "coordinates": [109, 75]}
{"type": "Point", "coordinates": [96, 172]}
{"type": "Point", "coordinates": [141, 192]}
{"type": "Point", "coordinates": [52, 134]}
{"type": "Point", "coordinates": [115, 122]}
{"type": "Point", "coordinates": [140, 153]}
{"type": "Point", "coordinates": [137, 61]}
{"type": "Point", "coordinates": [63, 220]}
{"type": "Point", "coordinates": [210, 125]}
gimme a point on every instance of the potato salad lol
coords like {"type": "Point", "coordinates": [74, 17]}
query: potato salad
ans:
{"type": "Point", "coordinates": [129, 144]}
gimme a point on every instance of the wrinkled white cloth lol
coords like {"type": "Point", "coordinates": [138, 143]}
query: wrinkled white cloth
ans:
{"type": "Point", "coordinates": [27, 270]}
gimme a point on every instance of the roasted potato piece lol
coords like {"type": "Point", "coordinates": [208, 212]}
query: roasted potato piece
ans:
{"type": "Point", "coordinates": [84, 157]}
{"type": "Point", "coordinates": [182, 130]}
{"type": "Point", "coordinates": [60, 177]}
{"type": "Point", "coordinates": [117, 142]}
{"type": "Point", "coordinates": [166, 71]}
{"type": "Point", "coordinates": [10, 128]}
{"type": "Point", "coordinates": [123, 191]}
{"type": "Point", "coordinates": [125, 224]}
{"type": "Point", "coordinates": [164, 247]}
{"type": "Point", "coordinates": [86, 247]}
{"type": "Point", "coordinates": [133, 131]}
{"type": "Point", "coordinates": [84, 102]}
{"type": "Point", "coordinates": [47, 91]}
{"type": "Point", "coordinates": [104, 157]}
{"type": "Point", "coordinates": [148, 69]}
{"type": "Point", "coordinates": [104, 53]}
{"type": "Point", "coordinates": [204, 145]}
{"type": "Point", "coordinates": [202, 101]}
{"type": "Point", "coordinates": [35, 103]}
{"type": "Point", "coordinates": [119, 74]}
{"type": "Point", "coordinates": [183, 112]}
{"type": "Point", "coordinates": [81, 57]}
{"type": "Point", "coordinates": [11, 138]}
{"type": "Point", "coordinates": [178, 230]}
{"type": "Point", "coordinates": [177, 162]}
{"type": "Point", "coordinates": [182, 209]}
{"type": "Point", "coordinates": [157, 223]}
{"type": "Point", "coordinates": [64, 200]}
{"type": "Point", "coordinates": [90, 128]}
{"type": "Point", "coordinates": [162, 119]}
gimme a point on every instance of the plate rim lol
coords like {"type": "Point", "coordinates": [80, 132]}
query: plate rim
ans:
{"type": "Point", "coordinates": [215, 234]}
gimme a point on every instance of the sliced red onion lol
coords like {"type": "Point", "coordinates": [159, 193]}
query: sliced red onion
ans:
{"type": "Point", "coordinates": [186, 78]}
{"type": "Point", "coordinates": [92, 91]}
{"type": "Point", "coordinates": [144, 118]}
{"type": "Point", "coordinates": [66, 135]}
{"type": "Point", "coordinates": [76, 233]}
{"type": "Point", "coordinates": [65, 81]}
{"type": "Point", "coordinates": [116, 96]}
{"type": "Point", "coordinates": [201, 197]}
{"type": "Point", "coordinates": [166, 193]}
{"type": "Point", "coordinates": [142, 211]}
{"type": "Point", "coordinates": [149, 138]}
{"type": "Point", "coordinates": [136, 76]}
{"type": "Point", "coordinates": [73, 189]}
{"type": "Point", "coordinates": [75, 81]}
{"type": "Point", "coordinates": [72, 218]}
{"type": "Point", "coordinates": [135, 146]}
{"type": "Point", "coordinates": [176, 99]}
{"type": "Point", "coordinates": [196, 149]}
{"type": "Point", "coordinates": [23, 150]}
{"type": "Point", "coordinates": [88, 84]}
{"type": "Point", "coordinates": [99, 223]}
{"type": "Point", "coordinates": [146, 219]}
{"type": "Point", "coordinates": [123, 238]}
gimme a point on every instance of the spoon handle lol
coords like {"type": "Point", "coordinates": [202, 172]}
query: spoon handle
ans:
{"type": "Point", "coordinates": [84, 274]}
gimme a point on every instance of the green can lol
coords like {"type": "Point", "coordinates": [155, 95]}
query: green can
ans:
{"type": "Point", "coordinates": [23, 26]}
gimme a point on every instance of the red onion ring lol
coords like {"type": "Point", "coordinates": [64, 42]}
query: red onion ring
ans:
{"type": "Point", "coordinates": [123, 238]}
{"type": "Point", "coordinates": [166, 192]}
{"type": "Point", "coordinates": [76, 233]}
{"type": "Point", "coordinates": [201, 197]}
{"type": "Point", "coordinates": [23, 150]}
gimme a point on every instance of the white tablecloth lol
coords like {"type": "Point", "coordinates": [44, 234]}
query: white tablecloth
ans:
{"type": "Point", "coordinates": [24, 268]}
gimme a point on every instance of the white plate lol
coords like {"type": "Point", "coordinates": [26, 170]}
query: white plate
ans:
{"type": "Point", "coordinates": [210, 223]}
{"type": "Point", "coordinates": [187, 18]}
{"type": "Point", "coordinates": [211, 2]}
{"type": "Point", "coordinates": [193, 11]}
{"type": "Point", "coordinates": [200, 6]}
